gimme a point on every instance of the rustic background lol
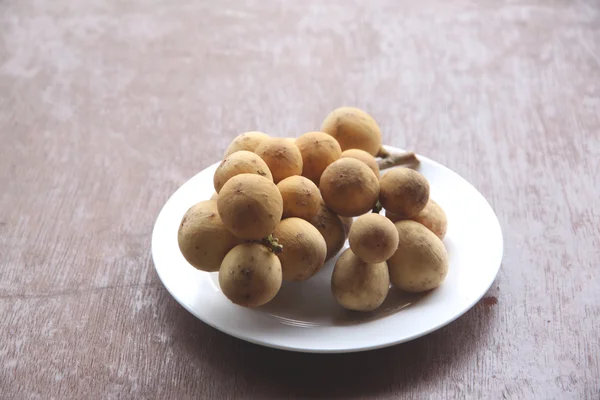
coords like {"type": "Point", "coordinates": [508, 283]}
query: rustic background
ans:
{"type": "Point", "coordinates": [107, 106]}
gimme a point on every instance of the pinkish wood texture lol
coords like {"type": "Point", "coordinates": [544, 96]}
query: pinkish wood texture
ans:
{"type": "Point", "coordinates": [107, 106]}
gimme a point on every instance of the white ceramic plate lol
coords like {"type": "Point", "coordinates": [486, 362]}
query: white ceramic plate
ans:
{"type": "Point", "coordinates": [304, 316]}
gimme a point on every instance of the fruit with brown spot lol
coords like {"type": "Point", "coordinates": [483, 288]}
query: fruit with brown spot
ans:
{"type": "Point", "coordinates": [421, 261]}
{"type": "Point", "coordinates": [358, 285]}
{"type": "Point", "coordinates": [250, 206]}
{"type": "Point", "coordinates": [250, 275]}
{"type": "Point", "coordinates": [318, 150]}
{"type": "Point", "coordinates": [404, 192]}
{"type": "Point", "coordinates": [349, 187]}
{"type": "Point", "coordinates": [203, 238]}
{"type": "Point", "coordinates": [281, 156]}
{"type": "Point", "coordinates": [246, 141]}
{"type": "Point", "coordinates": [240, 162]}
{"type": "Point", "coordinates": [432, 217]}
{"type": "Point", "coordinates": [353, 129]}
{"type": "Point", "coordinates": [373, 238]}
{"type": "Point", "coordinates": [304, 249]}
{"type": "Point", "coordinates": [301, 197]}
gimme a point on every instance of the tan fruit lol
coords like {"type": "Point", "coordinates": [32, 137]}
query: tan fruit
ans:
{"type": "Point", "coordinates": [250, 275]}
{"type": "Point", "coordinates": [318, 150]}
{"type": "Point", "coordinates": [240, 162]}
{"type": "Point", "coordinates": [246, 141]}
{"type": "Point", "coordinates": [214, 196]}
{"type": "Point", "coordinates": [250, 206]}
{"type": "Point", "coordinates": [364, 157]}
{"type": "Point", "coordinates": [304, 249]}
{"type": "Point", "coordinates": [301, 197]}
{"type": "Point", "coordinates": [331, 227]}
{"type": "Point", "coordinates": [421, 261]}
{"type": "Point", "coordinates": [353, 129]}
{"type": "Point", "coordinates": [349, 188]}
{"type": "Point", "coordinates": [432, 217]}
{"type": "Point", "coordinates": [357, 285]}
{"type": "Point", "coordinates": [373, 238]}
{"type": "Point", "coordinates": [403, 192]}
{"type": "Point", "coordinates": [203, 239]}
{"type": "Point", "coordinates": [282, 157]}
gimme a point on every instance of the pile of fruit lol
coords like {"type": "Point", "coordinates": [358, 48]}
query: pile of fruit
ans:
{"type": "Point", "coordinates": [284, 206]}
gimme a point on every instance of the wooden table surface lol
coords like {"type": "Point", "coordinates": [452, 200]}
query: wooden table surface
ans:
{"type": "Point", "coordinates": [107, 107]}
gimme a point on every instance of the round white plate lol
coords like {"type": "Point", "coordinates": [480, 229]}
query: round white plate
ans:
{"type": "Point", "coordinates": [304, 316]}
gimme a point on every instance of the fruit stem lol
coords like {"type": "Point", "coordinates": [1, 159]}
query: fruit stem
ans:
{"type": "Point", "coordinates": [378, 207]}
{"type": "Point", "coordinates": [393, 160]}
{"type": "Point", "coordinates": [272, 243]}
{"type": "Point", "coordinates": [383, 153]}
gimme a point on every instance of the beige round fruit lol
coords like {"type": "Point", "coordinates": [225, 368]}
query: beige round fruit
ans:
{"type": "Point", "coordinates": [349, 188]}
{"type": "Point", "coordinates": [250, 206]}
{"type": "Point", "coordinates": [358, 285]}
{"type": "Point", "coordinates": [373, 238]}
{"type": "Point", "coordinates": [332, 228]}
{"type": "Point", "coordinates": [304, 249]}
{"type": "Point", "coordinates": [214, 196]}
{"type": "Point", "coordinates": [404, 192]}
{"type": "Point", "coordinates": [301, 197]}
{"type": "Point", "coordinates": [318, 150]}
{"type": "Point", "coordinates": [240, 162]}
{"type": "Point", "coordinates": [353, 129]}
{"type": "Point", "coordinates": [363, 156]}
{"type": "Point", "coordinates": [432, 216]}
{"type": "Point", "coordinates": [282, 157]}
{"type": "Point", "coordinates": [421, 261]}
{"type": "Point", "coordinates": [246, 141]}
{"type": "Point", "coordinates": [203, 239]}
{"type": "Point", "coordinates": [250, 275]}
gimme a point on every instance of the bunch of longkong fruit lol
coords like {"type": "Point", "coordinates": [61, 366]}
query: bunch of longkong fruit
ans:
{"type": "Point", "coordinates": [284, 206]}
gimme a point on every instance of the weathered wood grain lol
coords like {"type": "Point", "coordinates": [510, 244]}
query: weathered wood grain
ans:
{"type": "Point", "coordinates": [106, 107]}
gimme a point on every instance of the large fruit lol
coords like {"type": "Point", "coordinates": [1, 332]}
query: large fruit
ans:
{"type": "Point", "coordinates": [203, 238]}
{"type": "Point", "coordinates": [353, 129]}
{"type": "Point", "coordinates": [349, 187]}
{"type": "Point", "coordinates": [250, 206]}
{"type": "Point", "coordinates": [250, 275]}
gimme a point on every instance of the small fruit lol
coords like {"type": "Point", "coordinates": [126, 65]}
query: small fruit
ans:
{"type": "Point", "coordinates": [421, 261]}
{"type": "Point", "coordinates": [246, 141]}
{"type": "Point", "coordinates": [250, 206]}
{"type": "Point", "coordinates": [432, 217]}
{"type": "Point", "coordinates": [281, 156]}
{"type": "Point", "coordinates": [203, 239]}
{"type": "Point", "coordinates": [349, 188]}
{"type": "Point", "coordinates": [353, 129]}
{"type": "Point", "coordinates": [364, 157]}
{"type": "Point", "coordinates": [304, 249]}
{"type": "Point", "coordinates": [332, 228]}
{"type": "Point", "coordinates": [318, 150]}
{"type": "Point", "coordinates": [301, 197]}
{"type": "Point", "coordinates": [357, 285]}
{"type": "Point", "coordinates": [240, 162]}
{"type": "Point", "coordinates": [403, 192]}
{"type": "Point", "coordinates": [373, 238]}
{"type": "Point", "coordinates": [250, 275]}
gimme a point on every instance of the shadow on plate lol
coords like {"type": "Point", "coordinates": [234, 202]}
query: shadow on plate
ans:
{"type": "Point", "coordinates": [270, 373]}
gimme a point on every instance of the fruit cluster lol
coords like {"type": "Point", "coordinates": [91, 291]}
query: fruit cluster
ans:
{"type": "Point", "coordinates": [284, 206]}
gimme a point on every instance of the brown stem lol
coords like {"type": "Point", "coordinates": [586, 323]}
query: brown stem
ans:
{"type": "Point", "coordinates": [272, 243]}
{"type": "Point", "coordinates": [393, 160]}
{"type": "Point", "coordinates": [378, 207]}
{"type": "Point", "coordinates": [383, 153]}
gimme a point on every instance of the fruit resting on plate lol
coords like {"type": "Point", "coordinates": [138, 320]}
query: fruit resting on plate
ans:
{"type": "Point", "coordinates": [282, 207]}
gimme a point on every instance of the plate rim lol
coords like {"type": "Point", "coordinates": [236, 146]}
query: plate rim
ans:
{"type": "Point", "coordinates": [239, 334]}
